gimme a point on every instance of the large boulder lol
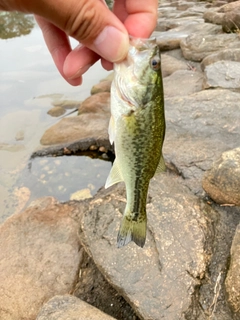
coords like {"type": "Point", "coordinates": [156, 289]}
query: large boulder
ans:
{"type": "Point", "coordinates": [222, 182]}
{"type": "Point", "coordinates": [39, 258]}
{"type": "Point", "coordinates": [159, 280]}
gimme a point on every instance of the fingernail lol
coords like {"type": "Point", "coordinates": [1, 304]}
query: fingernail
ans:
{"type": "Point", "coordinates": [80, 72]}
{"type": "Point", "coordinates": [112, 44]}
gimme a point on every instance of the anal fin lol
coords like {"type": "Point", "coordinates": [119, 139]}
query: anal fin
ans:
{"type": "Point", "coordinates": [114, 175]}
{"type": "Point", "coordinates": [161, 165]}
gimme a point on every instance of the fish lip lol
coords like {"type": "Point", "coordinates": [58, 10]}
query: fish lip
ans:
{"type": "Point", "coordinates": [142, 43]}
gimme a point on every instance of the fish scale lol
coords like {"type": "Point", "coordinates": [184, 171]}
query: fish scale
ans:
{"type": "Point", "coordinates": [137, 128]}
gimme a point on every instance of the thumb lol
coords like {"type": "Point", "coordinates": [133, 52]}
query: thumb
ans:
{"type": "Point", "coordinates": [88, 21]}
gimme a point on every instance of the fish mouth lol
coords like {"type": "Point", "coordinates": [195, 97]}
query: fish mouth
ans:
{"type": "Point", "coordinates": [142, 43]}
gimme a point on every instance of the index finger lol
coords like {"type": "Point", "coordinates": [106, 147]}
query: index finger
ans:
{"type": "Point", "coordinates": [139, 17]}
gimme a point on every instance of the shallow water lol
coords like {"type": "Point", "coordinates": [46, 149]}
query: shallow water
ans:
{"type": "Point", "coordinates": [29, 86]}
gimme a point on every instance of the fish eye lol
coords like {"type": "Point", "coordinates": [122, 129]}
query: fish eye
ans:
{"type": "Point", "coordinates": [155, 63]}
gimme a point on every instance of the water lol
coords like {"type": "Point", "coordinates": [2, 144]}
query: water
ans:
{"type": "Point", "coordinates": [29, 85]}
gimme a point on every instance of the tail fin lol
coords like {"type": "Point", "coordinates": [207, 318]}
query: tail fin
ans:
{"type": "Point", "coordinates": [132, 230]}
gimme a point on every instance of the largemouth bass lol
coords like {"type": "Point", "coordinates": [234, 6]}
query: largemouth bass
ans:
{"type": "Point", "coordinates": [137, 128]}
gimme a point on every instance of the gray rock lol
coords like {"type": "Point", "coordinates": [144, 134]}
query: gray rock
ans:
{"type": "Point", "coordinates": [222, 182]}
{"type": "Point", "coordinates": [56, 111]}
{"type": "Point", "coordinates": [70, 308]}
{"type": "Point", "coordinates": [39, 258]}
{"type": "Point", "coordinates": [182, 83]}
{"type": "Point", "coordinates": [222, 74]}
{"type": "Point", "coordinates": [197, 47]}
{"type": "Point", "coordinates": [171, 39]}
{"type": "Point", "coordinates": [199, 128]}
{"type": "Point", "coordinates": [213, 16]}
{"type": "Point", "coordinates": [232, 282]}
{"type": "Point", "coordinates": [165, 24]}
{"type": "Point", "coordinates": [159, 280]}
{"type": "Point", "coordinates": [227, 54]}
{"type": "Point", "coordinates": [171, 64]}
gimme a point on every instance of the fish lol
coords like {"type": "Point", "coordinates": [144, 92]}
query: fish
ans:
{"type": "Point", "coordinates": [137, 129]}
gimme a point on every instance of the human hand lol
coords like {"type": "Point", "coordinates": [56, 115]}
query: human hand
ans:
{"type": "Point", "coordinates": [102, 34]}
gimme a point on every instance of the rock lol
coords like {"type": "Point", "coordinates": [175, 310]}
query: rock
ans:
{"type": "Point", "coordinates": [86, 129]}
{"type": "Point", "coordinates": [165, 24]}
{"type": "Point", "coordinates": [199, 128]}
{"type": "Point", "coordinates": [230, 22]}
{"type": "Point", "coordinates": [93, 288]}
{"type": "Point", "coordinates": [102, 86]}
{"type": "Point", "coordinates": [197, 47]}
{"type": "Point", "coordinates": [22, 196]}
{"type": "Point", "coordinates": [159, 280]}
{"type": "Point", "coordinates": [227, 54]}
{"type": "Point", "coordinates": [222, 182]}
{"type": "Point", "coordinates": [171, 39]}
{"type": "Point", "coordinates": [97, 103]}
{"type": "Point", "coordinates": [171, 64]}
{"type": "Point", "coordinates": [229, 7]}
{"type": "Point", "coordinates": [232, 282]}
{"type": "Point", "coordinates": [39, 257]}
{"type": "Point", "coordinates": [56, 111]}
{"type": "Point", "coordinates": [71, 308]}
{"type": "Point", "coordinates": [213, 16]}
{"type": "Point", "coordinates": [222, 74]}
{"type": "Point", "coordinates": [83, 130]}
{"type": "Point", "coordinates": [66, 104]}
{"type": "Point", "coordinates": [182, 82]}
{"type": "Point", "coordinates": [81, 194]}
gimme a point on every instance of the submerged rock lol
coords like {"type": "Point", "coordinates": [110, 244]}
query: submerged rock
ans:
{"type": "Point", "coordinates": [222, 182]}
{"type": "Point", "coordinates": [56, 111]}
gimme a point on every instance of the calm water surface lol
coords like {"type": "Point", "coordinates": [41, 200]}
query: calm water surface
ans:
{"type": "Point", "coordinates": [29, 85]}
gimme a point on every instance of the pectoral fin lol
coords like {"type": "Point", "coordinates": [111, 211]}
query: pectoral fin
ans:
{"type": "Point", "coordinates": [161, 166]}
{"type": "Point", "coordinates": [114, 175]}
{"type": "Point", "coordinates": [111, 130]}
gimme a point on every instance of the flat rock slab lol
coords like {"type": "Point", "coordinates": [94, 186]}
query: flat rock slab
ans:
{"type": "Point", "coordinates": [182, 83]}
{"type": "Point", "coordinates": [232, 282]}
{"type": "Point", "coordinates": [197, 47]}
{"type": "Point", "coordinates": [222, 74]}
{"type": "Point", "coordinates": [158, 280]}
{"type": "Point", "coordinates": [222, 182]}
{"type": "Point", "coordinates": [171, 64]}
{"type": "Point", "coordinates": [199, 128]}
{"type": "Point", "coordinates": [171, 39]}
{"type": "Point", "coordinates": [227, 54]}
{"type": "Point", "coordinates": [70, 308]}
{"type": "Point", "coordinates": [39, 258]}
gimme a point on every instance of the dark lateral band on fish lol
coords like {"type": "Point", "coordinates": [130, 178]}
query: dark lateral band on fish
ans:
{"type": "Point", "coordinates": [137, 128]}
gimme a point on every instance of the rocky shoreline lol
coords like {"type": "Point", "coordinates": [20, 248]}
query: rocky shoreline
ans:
{"type": "Point", "coordinates": [60, 261]}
